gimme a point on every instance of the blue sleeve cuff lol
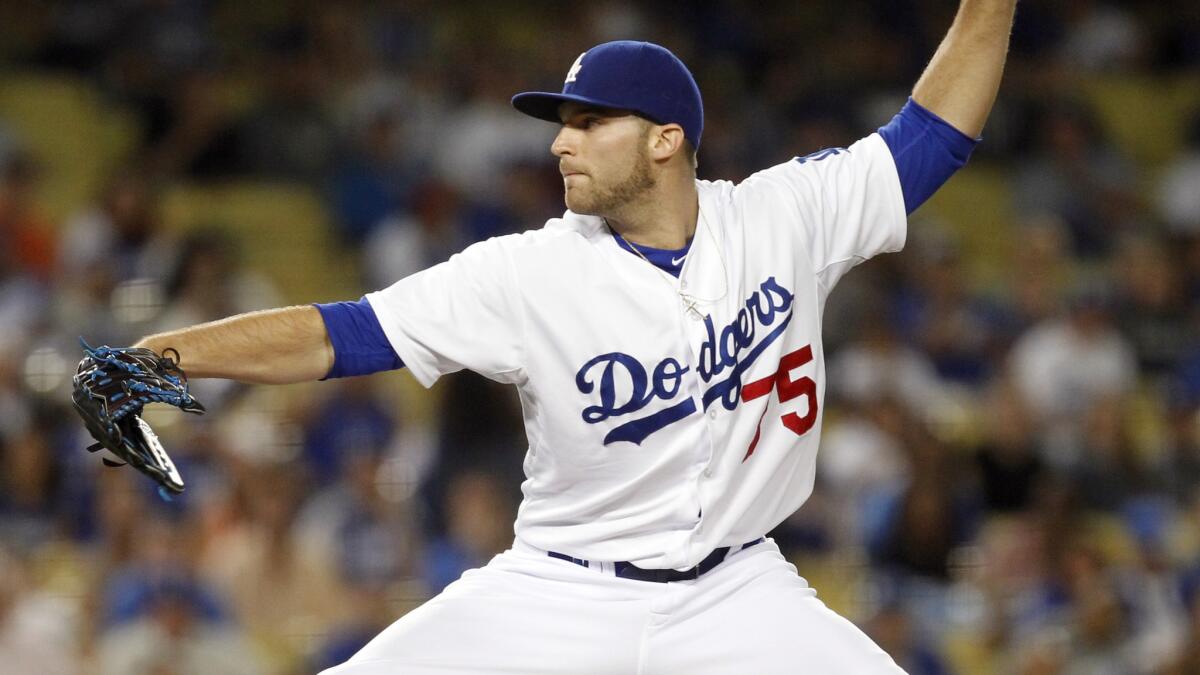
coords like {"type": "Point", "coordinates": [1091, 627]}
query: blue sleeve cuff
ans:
{"type": "Point", "coordinates": [927, 151]}
{"type": "Point", "coordinates": [360, 346]}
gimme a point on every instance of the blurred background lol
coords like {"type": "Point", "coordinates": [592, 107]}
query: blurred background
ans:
{"type": "Point", "coordinates": [1009, 473]}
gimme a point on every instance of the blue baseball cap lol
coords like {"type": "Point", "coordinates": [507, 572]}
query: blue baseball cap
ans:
{"type": "Point", "coordinates": [638, 76]}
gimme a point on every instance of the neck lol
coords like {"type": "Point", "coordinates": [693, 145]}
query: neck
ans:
{"type": "Point", "coordinates": [665, 218]}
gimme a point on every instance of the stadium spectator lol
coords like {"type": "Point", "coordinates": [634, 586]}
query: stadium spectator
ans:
{"type": "Point", "coordinates": [940, 314]}
{"type": "Point", "coordinates": [1008, 460]}
{"type": "Point", "coordinates": [479, 520]}
{"type": "Point", "coordinates": [1151, 307]}
{"type": "Point", "coordinates": [291, 134]}
{"type": "Point", "coordinates": [1102, 37]}
{"type": "Point", "coordinates": [29, 490]}
{"type": "Point", "coordinates": [175, 636]}
{"type": "Point", "coordinates": [280, 591]}
{"type": "Point", "coordinates": [371, 182]}
{"type": "Point", "coordinates": [209, 280]}
{"type": "Point", "coordinates": [1022, 457]}
{"type": "Point", "coordinates": [38, 632]}
{"type": "Point", "coordinates": [1179, 186]}
{"type": "Point", "coordinates": [349, 419]}
{"type": "Point", "coordinates": [407, 241]}
{"type": "Point", "coordinates": [1064, 365]}
{"type": "Point", "coordinates": [879, 365]}
{"type": "Point", "coordinates": [120, 235]}
{"type": "Point", "coordinates": [29, 234]}
{"type": "Point", "coordinates": [1076, 174]}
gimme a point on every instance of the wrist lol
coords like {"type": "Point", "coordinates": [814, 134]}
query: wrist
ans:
{"type": "Point", "coordinates": [152, 342]}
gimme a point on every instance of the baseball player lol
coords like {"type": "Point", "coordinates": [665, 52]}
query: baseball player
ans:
{"type": "Point", "coordinates": [665, 337]}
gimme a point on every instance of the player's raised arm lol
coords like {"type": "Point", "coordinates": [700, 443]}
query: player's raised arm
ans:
{"type": "Point", "coordinates": [935, 132]}
{"type": "Point", "coordinates": [960, 83]}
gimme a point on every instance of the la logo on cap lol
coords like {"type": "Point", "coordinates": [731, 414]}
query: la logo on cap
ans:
{"type": "Point", "coordinates": [575, 69]}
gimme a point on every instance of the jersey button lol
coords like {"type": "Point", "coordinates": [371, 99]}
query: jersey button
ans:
{"type": "Point", "coordinates": [712, 414]}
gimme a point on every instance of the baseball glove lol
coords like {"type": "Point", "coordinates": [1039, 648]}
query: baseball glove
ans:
{"type": "Point", "coordinates": [112, 385]}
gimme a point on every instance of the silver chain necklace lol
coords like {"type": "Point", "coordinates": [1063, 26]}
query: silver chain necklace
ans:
{"type": "Point", "coordinates": [688, 299]}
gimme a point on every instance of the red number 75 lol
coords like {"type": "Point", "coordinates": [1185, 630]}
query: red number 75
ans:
{"type": "Point", "coordinates": [788, 389]}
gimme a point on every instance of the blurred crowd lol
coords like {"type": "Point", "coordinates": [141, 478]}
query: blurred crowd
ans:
{"type": "Point", "coordinates": [1009, 479]}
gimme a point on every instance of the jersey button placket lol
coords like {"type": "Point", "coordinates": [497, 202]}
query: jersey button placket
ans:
{"type": "Point", "coordinates": [708, 470]}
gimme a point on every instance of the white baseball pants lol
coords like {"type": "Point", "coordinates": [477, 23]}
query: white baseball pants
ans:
{"type": "Point", "coordinates": [525, 612]}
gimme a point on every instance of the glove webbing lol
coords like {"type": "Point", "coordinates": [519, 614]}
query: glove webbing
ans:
{"type": "Point", "coordinates": [148, 362]}
{"type": "Point", "coordinates": [148, 366]}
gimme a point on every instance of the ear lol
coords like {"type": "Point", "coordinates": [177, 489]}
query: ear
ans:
{"type": "Point", "coordinates": [666, 141]}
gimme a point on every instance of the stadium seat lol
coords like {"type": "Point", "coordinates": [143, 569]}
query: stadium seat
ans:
{"type": "Point", "coordinates": [282, 230]}
{"type": "Point", "coordinates": [977, 207]}
{"type": "Point", "coordinates": [1145, 116]}
{"type": "Point", "coordinates": [74, 135]}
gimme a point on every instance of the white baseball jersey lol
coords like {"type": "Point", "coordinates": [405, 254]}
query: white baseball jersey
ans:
{"type": "Point", "coordinates": [666, 417]}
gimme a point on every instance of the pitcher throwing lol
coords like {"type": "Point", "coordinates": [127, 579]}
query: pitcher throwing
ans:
{"type": "Point", "coordinates": [665, 337]}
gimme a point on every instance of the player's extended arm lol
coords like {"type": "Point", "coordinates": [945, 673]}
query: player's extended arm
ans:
{"type": "Point", "coordinates": [274, 346]}
{"type": "Point", "coordinates": [960, 83]}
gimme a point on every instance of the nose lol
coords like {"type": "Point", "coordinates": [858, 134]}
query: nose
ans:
{"type": "Point", "coordinates": [564, 142]}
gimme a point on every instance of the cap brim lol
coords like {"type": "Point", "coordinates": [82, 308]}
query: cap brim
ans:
{"type": "Point", "coordinates": [544, 105]}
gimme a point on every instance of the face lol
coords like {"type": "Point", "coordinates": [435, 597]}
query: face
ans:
{"type": "Point", "coordinates": [604, 157]}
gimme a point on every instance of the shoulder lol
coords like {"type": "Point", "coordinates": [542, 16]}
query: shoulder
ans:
{"type": "Point", "coordinates": [718, 190]}
{"type": "Point", "coordinates": [864, 152]}
{"type": "Point", "coordinates": [564, 240]}
{"type": "Point", "coordinates": [570, 230]}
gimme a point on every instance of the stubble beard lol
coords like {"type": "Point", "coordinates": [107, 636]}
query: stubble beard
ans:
{"type": "Point", "coordinates": [613, 200]}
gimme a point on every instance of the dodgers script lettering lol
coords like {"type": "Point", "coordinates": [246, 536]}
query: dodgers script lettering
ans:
{"type": "Point", "coordinates": [728, 352]}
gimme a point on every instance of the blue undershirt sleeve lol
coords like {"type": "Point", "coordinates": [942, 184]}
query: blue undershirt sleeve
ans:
{"type": "Point", "coordinates": [927, 151]}
{"type": "Point", "coordinates": [359, 345]}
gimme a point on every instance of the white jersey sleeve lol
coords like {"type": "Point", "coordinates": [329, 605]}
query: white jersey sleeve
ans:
{"type": "Point", "coordinates": [462, 313]}
{"type": "Point", "coordinates": [847, 203]}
